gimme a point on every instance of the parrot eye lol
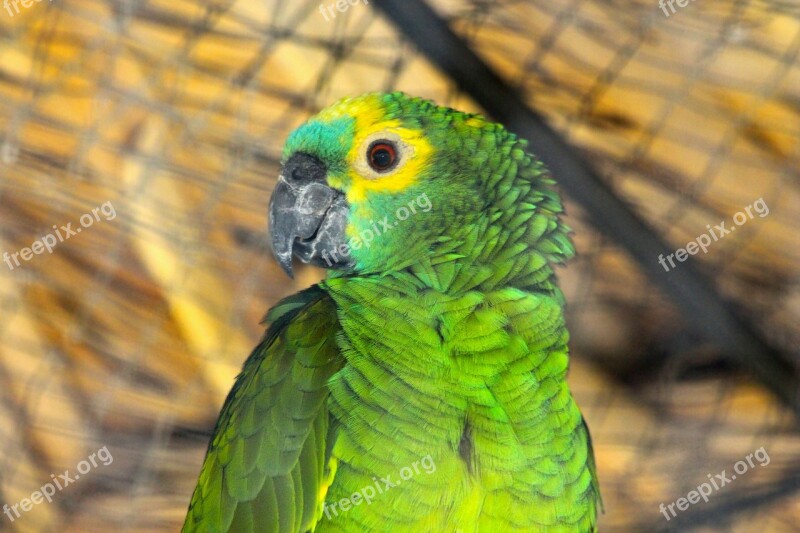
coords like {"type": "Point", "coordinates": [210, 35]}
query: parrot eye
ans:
{"type": "Point", "coordinates": [382, 156]}
{"type": "Point", "coordinates": [384, 153]}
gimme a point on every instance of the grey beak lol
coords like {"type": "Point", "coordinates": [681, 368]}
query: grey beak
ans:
{"type": "Point", "coordinates": [306, 216]}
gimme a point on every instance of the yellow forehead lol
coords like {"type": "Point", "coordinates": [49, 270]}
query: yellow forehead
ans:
{"type": "Point", "coordinates": [370, 119]}
{"type": "Point", "coordinates": [353, 107]}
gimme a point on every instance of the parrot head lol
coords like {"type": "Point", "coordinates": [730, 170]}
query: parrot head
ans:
{"type": "Point", "coordinates": [378, 182]}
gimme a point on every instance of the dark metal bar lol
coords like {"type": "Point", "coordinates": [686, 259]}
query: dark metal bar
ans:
{"type": "Point", "coordinates": [706, 312]}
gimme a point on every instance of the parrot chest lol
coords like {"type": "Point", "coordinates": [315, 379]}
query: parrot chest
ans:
{"type": "Point", "coordinates": [456, 411]}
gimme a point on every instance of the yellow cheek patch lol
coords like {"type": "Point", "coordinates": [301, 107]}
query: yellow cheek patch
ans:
{"type": "Point", "coordinates": [415, 156]}
{"type": "Point", "coordinates": [370, 121]}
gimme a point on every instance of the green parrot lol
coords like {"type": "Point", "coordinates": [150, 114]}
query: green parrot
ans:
{"type": "Point", "coordinates": [421, 386]}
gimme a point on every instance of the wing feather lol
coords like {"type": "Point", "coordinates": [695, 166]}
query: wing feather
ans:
{"type": "Point", "coordinates": [265, 466]}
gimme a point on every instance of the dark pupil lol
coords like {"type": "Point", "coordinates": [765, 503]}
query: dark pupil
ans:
{"type": "Point", "coordinates": [382, 158]}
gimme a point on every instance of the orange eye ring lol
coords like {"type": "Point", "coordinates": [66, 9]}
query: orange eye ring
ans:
{"type": "Point", "coordinates": [382, 156]}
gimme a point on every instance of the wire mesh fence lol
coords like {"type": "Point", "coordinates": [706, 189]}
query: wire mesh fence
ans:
{"type": "Point", "coordinates": [139, 143]}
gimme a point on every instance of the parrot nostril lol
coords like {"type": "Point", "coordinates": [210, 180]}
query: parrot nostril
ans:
{"type": "Point", "coordinates": [304, 168]}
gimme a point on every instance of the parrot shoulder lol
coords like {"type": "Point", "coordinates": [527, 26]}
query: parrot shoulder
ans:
{"type": "Point", "coordinates": [267, 468]}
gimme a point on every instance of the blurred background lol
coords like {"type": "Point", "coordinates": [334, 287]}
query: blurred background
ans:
{"type": "Point", "coordinates": [167, 119]}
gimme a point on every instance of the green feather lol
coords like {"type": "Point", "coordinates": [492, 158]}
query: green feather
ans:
{"type": "Point", "coordinates": [442, 353]}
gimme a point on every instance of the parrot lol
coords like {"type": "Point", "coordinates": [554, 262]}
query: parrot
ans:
{"type": "Point", "coordinates": [421, 385]}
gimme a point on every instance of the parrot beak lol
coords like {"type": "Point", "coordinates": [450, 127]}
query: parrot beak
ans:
{"type": "Point", "coordinates": [307, 218]}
